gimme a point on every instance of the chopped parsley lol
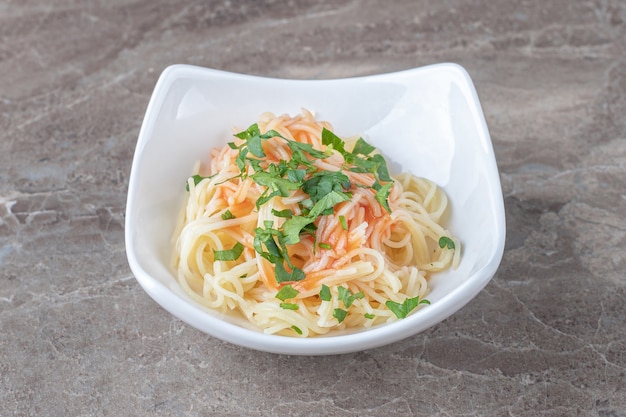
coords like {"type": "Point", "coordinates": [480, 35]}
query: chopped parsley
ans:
{"type": "Point", "coordinates": [369, 316]}
{"type": "Point", "coordinates": [227, 215]}
{"type": "Point", "coordinates": [343, 221]}
{"type": "Point", "coordinates": [282, 275]}
{"type": "Point", "coordinates": [325, 293]}
{"type": "Point", "coordinates": [335, 142]}
{"type": "Point", "coordinates": [324, 189]}
{"type": "Point", "coordinates": [196, 180]}
{"type": "Point", "coordinates": [229, 254]}
{"type": "Point", "coordinates": [401, 310]}
{"type": "Point", "coordinates": [265, 243]}
{"type": "Point", "coordinates": [322, 183]}
{"type": "Point", "coordinates": [344, 295]}
{"type": "Point", "coordinates": [340, 314]}
{"type": "Point", "coordinates": [382, 196]}
{"type": "Point", "coordinates": [282, 213]}
{"type": "Point", "coordinates": [286, 293]}
{"type": "Point", "coordinates": [445, 241]}
{"type": "Point", "coordinates": [362, 148]}
{"type": "Point", "coordinates": [347, 297]}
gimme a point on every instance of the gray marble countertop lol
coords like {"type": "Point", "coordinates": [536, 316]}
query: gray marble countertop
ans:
{"type": "Point", "coordinates": [79, 337]}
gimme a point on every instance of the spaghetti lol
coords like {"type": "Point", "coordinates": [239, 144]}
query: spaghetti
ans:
{"type": "Point", "coordinates": [303, 232]}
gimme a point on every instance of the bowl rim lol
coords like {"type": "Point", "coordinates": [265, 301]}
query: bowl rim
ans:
{"type": "Point", "coordinates": [196, 315]}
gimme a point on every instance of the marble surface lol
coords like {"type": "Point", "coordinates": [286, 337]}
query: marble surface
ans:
{"type": "Point", "coordinates": [79, 337]}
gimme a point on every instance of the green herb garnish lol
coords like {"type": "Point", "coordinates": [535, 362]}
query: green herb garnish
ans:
{"type": "Point", "coordinates": [282, 275]}
{"type": "Point", "coordinates": [196, 180]}
{"type": "Point", "coordinates": [286, 293]}
{"type": "Point", "coordinates": [265, 243]}
{"type": "Point", "coordinates": [408, 305]}
{"type": "Point", "coordinates": [325, 293]}
{"type": "Point", "coordinates": [229, 254]}
{"type": "Point", "coordinates": [289, 306]}
{"type": "Point", "coordinates": [254, 139]}
{"type": "Point", "coordinates": [445, 241]}
{"type": "Point", "coordinates": [227, 215]}
{"type": "Point", "coordinates": [362, 148]}
{"type": "Point", "coordinates": [369, 316]}
{"type": "Point", "coordinates": [296, 329]}
{"type": "Point", "coordinates": [344, 222]}
{"type": "Point", "coordinates": [282, 213]}
{"type": "Point", "coordinates": [325, 190]}
{"type": "Point", "coordinates": [335, 142]}
{"type": "Point", "coordinates": [293, 228]}
{"type": "Point", "coordinates": [347, 297]}
{"type": "Point", "coordinates": [382, 196]}
{"type": "Point", "coordinates": [340, 314]}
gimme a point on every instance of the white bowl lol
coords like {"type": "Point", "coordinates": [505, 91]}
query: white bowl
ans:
{"type": "Point", "coordinates": [427, 121]}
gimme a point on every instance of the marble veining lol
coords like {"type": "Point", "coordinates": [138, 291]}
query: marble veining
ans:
{"type": "Point", "coordinates": [78, 336]}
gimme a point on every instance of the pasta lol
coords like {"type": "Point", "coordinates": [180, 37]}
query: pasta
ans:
{"type": "Point", "coordinates": [303, 232]}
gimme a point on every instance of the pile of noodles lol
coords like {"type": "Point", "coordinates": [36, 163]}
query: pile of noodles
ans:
{"type": "Point", "coordinates": [383, 255]}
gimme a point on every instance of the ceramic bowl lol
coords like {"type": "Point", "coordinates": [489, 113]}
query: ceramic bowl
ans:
{"type": "Point", "coordinates": [426, 120]}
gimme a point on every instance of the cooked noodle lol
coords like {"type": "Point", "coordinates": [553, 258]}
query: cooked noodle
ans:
{"type": "Point", "coordinates": [360, 247]}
